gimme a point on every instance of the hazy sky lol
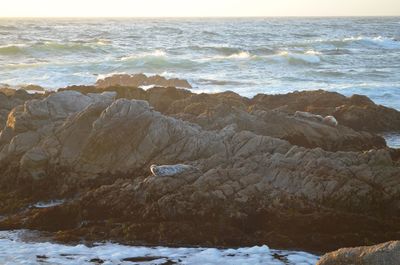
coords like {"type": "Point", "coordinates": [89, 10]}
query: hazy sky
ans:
{"type": "Point", "coordinates": [172, 8]}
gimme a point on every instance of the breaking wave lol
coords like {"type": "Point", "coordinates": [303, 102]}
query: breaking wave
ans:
{"type": "Point", "coordinates": [368, 42]}
{"type": "Point", "coordinates": [52, 47]}
{"type": "Point", "coordinates": [309, 57]}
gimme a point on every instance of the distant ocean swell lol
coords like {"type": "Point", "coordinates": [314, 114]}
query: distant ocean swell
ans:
{"type": "Point", "coordinates": [248, 56]}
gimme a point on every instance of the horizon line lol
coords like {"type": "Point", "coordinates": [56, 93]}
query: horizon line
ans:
{"type": "Point", "coordinates": [177, 17]}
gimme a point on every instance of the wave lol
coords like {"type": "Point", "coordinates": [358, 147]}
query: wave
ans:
{"type": "Point", "coordinates": [12, 49]}
{"type": "Point", "coordinates": [156, 53]}
{"type": "Point", "coordinates": [378, 42]}
{"type": "Point", "coordinates": [205, 81]}
{"type": "Point", "coordinates": [241, 55]}
{"type": "Point", "coordinates": [210, 33]}
{"type": "Point", "coordinates": [221, 50]}
{"type": "Point", "coordinates": [157, 59]}
{"type": "Point", "coordinates": [52, 47]}
{"type": "Point", "coordinates": [309, 57]}
{"type": "Point", "coordinates": [382, 42]}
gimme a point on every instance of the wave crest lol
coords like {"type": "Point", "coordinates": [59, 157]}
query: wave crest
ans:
{"type": "Point", "coordinates": [156, 53]}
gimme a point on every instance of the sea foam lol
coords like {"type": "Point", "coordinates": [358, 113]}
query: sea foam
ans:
{"type": "Point", "coordinates": [14, 250]}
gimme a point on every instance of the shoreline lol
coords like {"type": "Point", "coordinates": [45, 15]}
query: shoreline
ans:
{"type": "Point", "coordinates": [264, 170]}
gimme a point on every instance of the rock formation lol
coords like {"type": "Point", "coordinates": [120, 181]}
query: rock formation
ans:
{"type": "Point", "coordinates": [138, 80]}
{"type": "Point", "coordinates": [10, 98]}
{"type": "Point", "coordinates": [382, 254]}
{"type": "Point", "coordinates": [261, 175]}
{"type": "Point", "coordinates": [357, 112]}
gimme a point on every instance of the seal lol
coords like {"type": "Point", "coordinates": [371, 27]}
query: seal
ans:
{"type": "Point", "coordinates": [308, 115]}
{"type": "Point", "coordinates": [331, 121]}
{"type": "Point", "coordinates": [168, 170]}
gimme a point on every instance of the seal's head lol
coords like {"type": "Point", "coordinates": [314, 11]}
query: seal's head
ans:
{"type": "Point", "coordinates": [331, 121]}
{"type": "Point", "coordinates": [154, 170]}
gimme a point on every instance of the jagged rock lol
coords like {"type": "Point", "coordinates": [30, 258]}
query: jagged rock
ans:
{"type": "Point", "coordinates": [382, 254]}
{"type": "Point", "coordinates": [138, 80]}
{"type": "Point", "coordinates": [9, 99]}
{"type": "Point", "coordinates": [307, 131]}
{"type": "Point", "coordinates": [357, 112]}
{"type": "Point", "coordinates": [249, 183]}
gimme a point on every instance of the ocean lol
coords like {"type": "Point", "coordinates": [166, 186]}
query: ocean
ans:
{"type": "Point", "coordinates": [24, 247]}
{"type": "Point", "coordinates": [245, 55]}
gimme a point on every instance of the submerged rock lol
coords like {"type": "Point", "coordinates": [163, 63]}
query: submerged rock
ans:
{"type": "Point", "coordinates": [382, 254]}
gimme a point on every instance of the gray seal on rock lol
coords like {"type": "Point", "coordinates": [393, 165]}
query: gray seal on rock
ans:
{"type": "Point", "coordinates": [169, 170]}
{"type": "Point", "coordinates": [308, 115]}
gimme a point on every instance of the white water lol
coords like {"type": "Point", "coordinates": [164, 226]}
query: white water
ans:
{"type": "Point", "coordinates": [14, 250]}
{"type": "Point", "coordinates": [248, 56]}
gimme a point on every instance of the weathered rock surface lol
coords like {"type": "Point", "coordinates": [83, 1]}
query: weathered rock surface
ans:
{"type": "Point", "coordinates": [357, 112]}
{"type": "Point", "coordinates": [138, 80]}
{"type": "Point", "coordinates": [9, 99]}
{"type": "Point", "coordinates": [257, 178]}
{"type": "Point", "coordinates": [382, 254]}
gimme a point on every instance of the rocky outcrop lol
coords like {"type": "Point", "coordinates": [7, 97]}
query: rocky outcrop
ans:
{"type": "Point", "coordinates": [9, 99]}
{"type": "Point", "coordinates": [382, 254]}
{"type": "Point", "coordinates": [138, 80]}
{"type": "Point", "coordinates": [241, 178]}
{"type": "Point", "coordinates": [215, 111]}
{"type": "Point", "coordinates": [357, 112]}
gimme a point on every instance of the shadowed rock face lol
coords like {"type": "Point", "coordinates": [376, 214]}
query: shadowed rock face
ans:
{"type": "Point", "coordinates": [383, 254]}
{"type": "Point", "coordinates": [252, 184]}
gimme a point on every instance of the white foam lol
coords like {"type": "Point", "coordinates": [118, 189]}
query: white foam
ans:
{"type": "Point", "coordinates": [381, 42]}
{"type": "Point", "coordinates": [311, 57]}
{"type": "Point", "coordinates": [104, 76]}
{"type": "Point", "coordinates": [156, 53]}
{"type": "Point", "coordinates": [392, 139]}
{"type": "Point", "coordinates": [242, 55]}
{"type": "Point", "coordinates": [48, 204]}
{"type": "Point", "coordinates": [15, 251]}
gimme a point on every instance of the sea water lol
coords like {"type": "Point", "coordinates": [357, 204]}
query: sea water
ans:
{"type": "Point", "coordinates": [17, 247]}
{"type": "Point", "coordinates": [246, 55]}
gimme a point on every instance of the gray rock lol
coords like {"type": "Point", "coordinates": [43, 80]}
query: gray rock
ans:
{"type": "Point", "coordinates": [382, 254]}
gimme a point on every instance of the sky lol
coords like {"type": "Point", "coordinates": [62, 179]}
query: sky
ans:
{"type": "Point", "coordinates": [197, 8]}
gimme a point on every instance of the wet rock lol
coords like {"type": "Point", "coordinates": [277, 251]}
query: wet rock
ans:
{"type": "Point", "coordinates": [97, 261]}
{"type": "Point", "coordinates": [142, 259]}
{"type": "Point", "coordinates": [382, 254]}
